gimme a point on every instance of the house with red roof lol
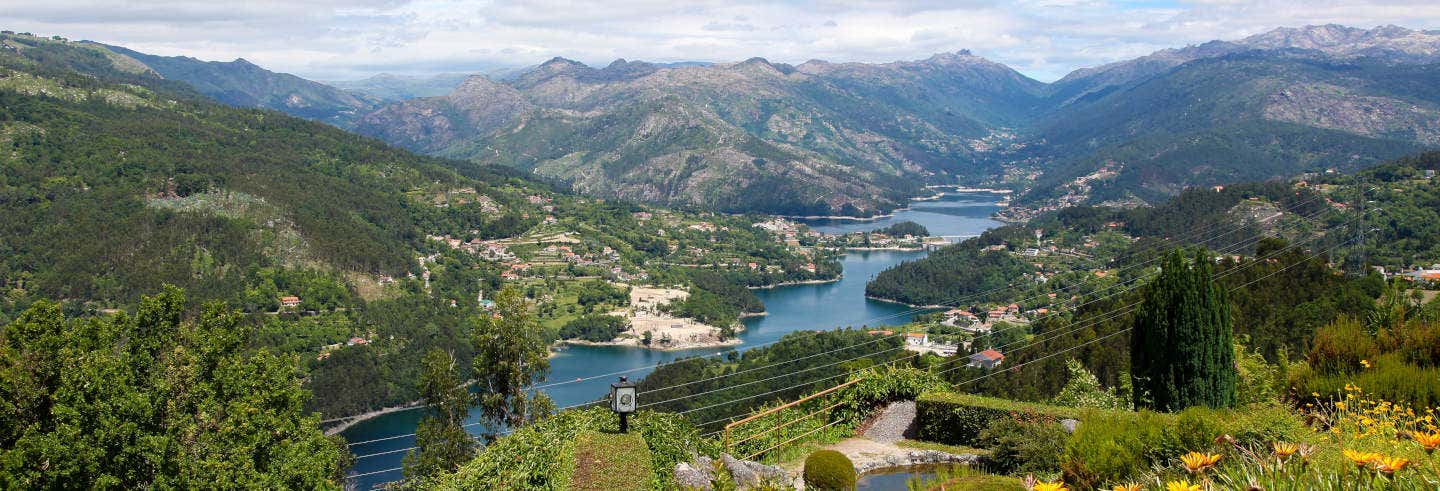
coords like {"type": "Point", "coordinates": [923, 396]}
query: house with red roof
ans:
{"type": "Point", "coordinates": [987, 359]}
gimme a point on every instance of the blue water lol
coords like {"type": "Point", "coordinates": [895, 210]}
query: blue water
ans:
{"type": "Point", "coordinates": [791, 308]}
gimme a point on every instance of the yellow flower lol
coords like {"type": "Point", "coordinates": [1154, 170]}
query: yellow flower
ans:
{"type": "Point", "coordinates": [1315, 394]}
{"type": "Point", "coordinates": [1198, 462]}
{"type": "Point", "coordinates": [1284, 449]}
{"type": "Point", "coordinates": [1429, 440]}
{"type": "Point", "coordinates": [1126, 487]}
{"type": "Point", "coordinates": [1340, 405]}
{"type": "Point", "coordinates": [1390, 465]}
{"type": "Point", "coordinates": [1050, 486]}
{"type": "Point", "coordinates": [1360, 459]}
{"type": "Point", "coordinates": [1181, 486]}
{"type": "Point", "coordinates": [1365, 363]}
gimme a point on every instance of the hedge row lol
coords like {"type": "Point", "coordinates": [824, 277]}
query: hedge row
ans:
{"type": "Point", "coordinates": [957, 419]}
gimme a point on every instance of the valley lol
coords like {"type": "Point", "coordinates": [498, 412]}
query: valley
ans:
{"type": "Point", "coordinates": [1204, 264]}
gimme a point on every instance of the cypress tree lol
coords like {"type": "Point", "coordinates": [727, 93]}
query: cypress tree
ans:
{"type": "Point", "coordinates": [1181, 347]}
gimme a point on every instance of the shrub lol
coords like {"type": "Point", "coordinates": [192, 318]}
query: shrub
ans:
{"type": "Point", "coordinates": [1024, 443]}
{"type": "Point", "coordinates": [1390, 378]}
{"type": "Point", "coordinates": [1340, 346]}
{"type": "Point", "coordinates": [1113, 446]}
{"type": "Point", "coordinates": [881, 385]}
{"type": "Point", "coordinates": [1258, 426]}
{"type": "Point", "coordinates": [829, 470]}
{"type": "Point", "coordinates": [958, 419]}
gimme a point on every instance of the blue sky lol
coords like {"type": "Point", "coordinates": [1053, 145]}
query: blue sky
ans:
{"type": "Point", "coordinates": [329, 40]}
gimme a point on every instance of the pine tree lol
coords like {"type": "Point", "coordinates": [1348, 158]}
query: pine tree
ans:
{"type": "Point", "coordinates": [442, 444]}
{"type": "Point", "coordinates": [1181, 348]}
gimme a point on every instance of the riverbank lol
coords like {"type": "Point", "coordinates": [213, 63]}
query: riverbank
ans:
{"type": "Point", "coordinates": [362, 417]}
{"type": "Point", "coordinates": [633, 342]}
{"type": "Point", "coordinates": [964, 189]}
{"type": "Point", "coordinates": [793, 283]}
{"type": "Point", "coordinates": [911, 305]}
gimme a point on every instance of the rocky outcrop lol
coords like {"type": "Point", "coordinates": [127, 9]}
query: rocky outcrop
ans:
{"type": "Point", "coordinates": [744, 474]}
{"type": "Point", "coordinates": [752, 136]}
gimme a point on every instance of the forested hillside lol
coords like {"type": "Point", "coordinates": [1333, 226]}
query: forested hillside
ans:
{"type": "Point", "coordinates": [114, 180]}
{"type": "Point", "coordinates": [1091, 242]}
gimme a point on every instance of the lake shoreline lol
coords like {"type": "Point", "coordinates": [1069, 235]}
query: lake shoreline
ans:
{"type": "Point", "coordinates": [794, 283]}
{"type": "Point", "coordinates": [365, 416]}
{"type": "Point", "coordinates": [911, 305]}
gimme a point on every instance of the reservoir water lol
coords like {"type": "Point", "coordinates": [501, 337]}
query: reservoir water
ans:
{"type": "Point", "coordinates": [790, 308]}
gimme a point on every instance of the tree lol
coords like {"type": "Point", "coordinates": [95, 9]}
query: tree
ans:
{"type": "Point", "coordinates": [1182, 348]}
{"type": "Point", "coordinates": [1084, 390]}
{"type": "Point", "coordinates": [154, 400]}
{"type": "Point", "coordinates": [441, 442]}
{"type": "Point", "coordinates": [510, 355]}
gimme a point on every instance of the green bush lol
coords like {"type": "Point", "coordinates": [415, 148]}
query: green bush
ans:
{"type": "Point", "coordinates": [958, 419]}
{"type": "Point", "coordinates": [1258, 426]}
{"type": "Point", "coordinates": [829, 470]}
{"type": "Point", "coordinates": [882, 385]}
{"type": "Point", "coordinates": [1340, 346]}
{"type": "Point", "coordinates": [1114, 446]}
{"type": "Point", "coordinates": [1024, 444]}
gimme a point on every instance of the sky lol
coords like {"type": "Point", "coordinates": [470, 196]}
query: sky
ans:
{"type": "Point", "coordinates": [343, 40]}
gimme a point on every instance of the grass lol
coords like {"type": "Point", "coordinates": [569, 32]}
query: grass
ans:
{"type": "Point", "coordinates": [610, 461]}
{"type": "Point", "coordinates": [941, 447]}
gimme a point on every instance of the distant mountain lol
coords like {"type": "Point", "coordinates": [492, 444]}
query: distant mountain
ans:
{"type": "Point", "coordinates": [389, 88]}
{"type": "Point", "coordinates": [244, 84]}
{"type": "Point", "coordinates": [1270, 105]}
{"type": "Point", "coordinates": [116, 181]}
{"type": "Point", "coordinates": [1387, 43]}
{"type": "Point", "coordinates": [817, 138]}
{"type": "Point", "coordinates": [825, 138]}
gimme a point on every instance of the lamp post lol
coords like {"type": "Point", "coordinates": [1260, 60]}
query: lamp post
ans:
{"type": "Point", "coordinates": [622, 401]}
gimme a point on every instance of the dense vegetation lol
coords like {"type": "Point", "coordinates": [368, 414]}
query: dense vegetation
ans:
{"type": "Point", "coordinates": [902, 229]}
{"type": "Point", "coordinates": [160, 397]}
{"type": "Point", "coordinates": [1200, 216]}
{"type": "Point", "coordinates": [1277, 304]}
{"type": "Point", "coordinates": [953, 272]}
{"type": "Point", "coordinates": [109, 186]}
{"type": "Point", "coordinates": [594, 327]}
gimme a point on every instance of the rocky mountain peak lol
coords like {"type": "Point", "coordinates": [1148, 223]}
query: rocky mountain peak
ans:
{"type": "Point", "coordinates": [1389, 41]}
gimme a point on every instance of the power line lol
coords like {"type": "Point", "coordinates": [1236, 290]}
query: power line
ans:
{"type": "Point", "coordinates": [1156, 247]}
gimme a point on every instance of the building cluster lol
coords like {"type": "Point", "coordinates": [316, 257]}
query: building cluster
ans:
{"type": "Point", "coordinates": [785, 231]}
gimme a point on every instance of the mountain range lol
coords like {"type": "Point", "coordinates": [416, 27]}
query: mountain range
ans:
{"type": "Point", "coordinates": [859, 139]}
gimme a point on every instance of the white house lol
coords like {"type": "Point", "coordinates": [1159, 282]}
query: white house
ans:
{"type": "Point", "coordinates": [917, 338]}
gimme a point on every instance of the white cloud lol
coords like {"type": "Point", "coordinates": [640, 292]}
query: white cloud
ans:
{"type": "Point", "coordinates": [331, 39]}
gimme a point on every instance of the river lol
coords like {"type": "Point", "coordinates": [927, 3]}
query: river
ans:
{"type": "Point", "coordinates": [790, 308]}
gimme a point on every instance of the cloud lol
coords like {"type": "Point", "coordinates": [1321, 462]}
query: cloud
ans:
{"type": "Point", "coordinates": [335, 39]}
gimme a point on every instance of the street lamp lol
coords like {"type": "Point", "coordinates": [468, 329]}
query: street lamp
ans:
{"type": "Point", "coordinates": [622, 401]}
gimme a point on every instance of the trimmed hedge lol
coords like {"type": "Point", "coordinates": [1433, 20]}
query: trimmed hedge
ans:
{"type": "Point", "coordinates": [958, 419]}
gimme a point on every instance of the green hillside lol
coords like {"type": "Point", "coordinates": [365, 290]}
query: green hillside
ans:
{"type": "Point", "coordinates": [112, 180]}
